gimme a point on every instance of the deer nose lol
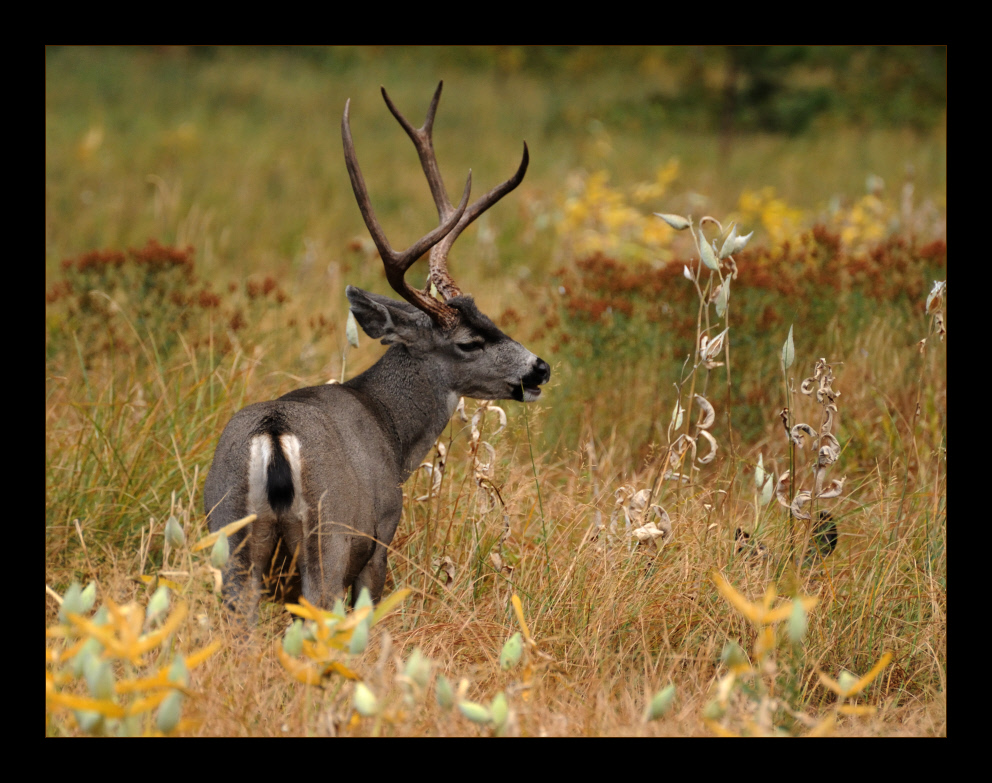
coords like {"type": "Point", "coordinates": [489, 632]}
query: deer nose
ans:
{"type": "Point", "coordinates": [541, 372]}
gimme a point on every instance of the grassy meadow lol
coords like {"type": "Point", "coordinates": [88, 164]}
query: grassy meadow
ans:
{"type": "Point", "coordinates": [580, 571]}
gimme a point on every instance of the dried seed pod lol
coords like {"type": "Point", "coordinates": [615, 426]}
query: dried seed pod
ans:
{"type": "Point", "coordinates": [709, 415]}
{"type": "Point", "coordinates": [708, 458]}
{"type": "Point", "coordinates": [797, 434]}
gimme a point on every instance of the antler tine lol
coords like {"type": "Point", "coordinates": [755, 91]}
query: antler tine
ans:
{"type": "Point", "coordinates": [423, 140]}
{"type": "Point", "coordinates": [396, 263]}
{"type": "Point", "coordinates": [439, 253]}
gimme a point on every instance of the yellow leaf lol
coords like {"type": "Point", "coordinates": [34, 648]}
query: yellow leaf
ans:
{"type": "Point", "coordinates": [738, 601]}
{"type": "Point", "coordinates": [159, 680]}
{"type": "Point", "coordinates": [518, 609]}
{"type": "Point", "coordinates": [830, 683]}
{"type": "Point", "coordinates": [194, 660]}
{"type": "Point", "coordinates": [765, 642]}
{"type": "Point", "coordinates": [303, 672]}
{"type": "Point", "coordinates": [154, 639]}
{"type": "Point", "coordinates": [146, 703]}
{"type": "Point", "coordinates": [353, 619]}
{"type": "Point", "coordinates": [227, 530]}
{"type": "Point", "coordinates": [783, 612]}
{"type": "Point", "coordinates": [386, 605]}
{"type": "Point", "coordinates": [102, 633]}
{"type": "Point", "coordinates": [856, 709]}
{"type": "Point", "coordinates": [306, 610]}
{"type": "Point", "coordinates": [339, 668]}
{"type": "Point", "coordinates": [875, 671]}
{"type": "Point", "coordinates": [156, 581]}
{"type": "Point", "coordinates": [717, 729]}
{"type": "Point", "coordinates": [103, 706]}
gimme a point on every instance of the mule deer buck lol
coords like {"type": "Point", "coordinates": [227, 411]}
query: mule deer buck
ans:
{"type": "Point", "coordinates": [322, 467]}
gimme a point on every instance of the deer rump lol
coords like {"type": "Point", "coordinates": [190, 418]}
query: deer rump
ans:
{"type": "Point", "coordinates": [323, 515]}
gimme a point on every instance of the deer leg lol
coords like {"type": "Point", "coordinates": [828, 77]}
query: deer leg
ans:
{"type": "Point", "coordinates": [242, 577]}
{"type": "Point", "coordinates": [373, 573]}
{"type": "Point", "coordinates": [372, 576]}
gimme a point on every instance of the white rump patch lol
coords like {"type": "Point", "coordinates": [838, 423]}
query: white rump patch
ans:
{"type": "Point", "coordinates": [258, 470]}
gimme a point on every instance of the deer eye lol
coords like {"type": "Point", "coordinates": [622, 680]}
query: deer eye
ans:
{"type": "Point", "coordinates": [469, 347]}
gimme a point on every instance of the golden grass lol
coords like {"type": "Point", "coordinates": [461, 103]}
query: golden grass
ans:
{"type": "Point", "coordinates": [131, 423]}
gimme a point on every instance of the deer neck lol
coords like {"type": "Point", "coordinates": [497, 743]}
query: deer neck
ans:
{"type": "Point", "coordinates": [411, 399]}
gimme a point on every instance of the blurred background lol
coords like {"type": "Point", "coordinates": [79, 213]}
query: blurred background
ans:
{"type": "Point", "coordinates": [235, 152]}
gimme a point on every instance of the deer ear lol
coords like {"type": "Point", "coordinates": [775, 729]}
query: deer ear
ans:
{"type": "Point", "coordinates": [382, 318]}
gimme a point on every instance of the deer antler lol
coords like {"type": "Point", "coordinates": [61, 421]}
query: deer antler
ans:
{"type": "Point", "coordinates": [452, 220]}
{"type": "Point", "coordinates": [396, 263]}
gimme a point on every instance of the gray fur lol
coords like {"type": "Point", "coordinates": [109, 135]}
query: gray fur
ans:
{"type": "Point", "coordinates": [340, 500]}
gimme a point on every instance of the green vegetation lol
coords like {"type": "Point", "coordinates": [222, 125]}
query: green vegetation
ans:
{"type": "Point", "coordinates": [200, 230]}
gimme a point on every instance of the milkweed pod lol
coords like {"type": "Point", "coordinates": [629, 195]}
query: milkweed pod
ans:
{"type": "Point", "coordinates": [99, 677]}
{"type": "Point", "coordinates": [364, 599]}
{"type": "Point", "coordinates": [788, 351]}
{"type": "Point", "coordinates": [169, 712]}
{"type": "Point", "coordinates": [797, 622]}
{"type": "Point", "coordinates": [418, 668]}
{"type": "Point", "coordinates": [351, 330]}
{"type": "Point", "coordinates": [513, 649]}
{"type": "Point", "coordinates": [366, 704]}
{"type": "Point", "coordinates": [677, 222]}
{"type": "Point", "coordinates": [707, 255]}
{"type": "Point", "coordinates": [661, 702]}
{"type": "Point", "coordinates": [499, 710]}
{"type": "Point", "coordinates": [444, 693]}
{"type": "Point", "coordinates": [91, 648]}
{"type": "Point", "coordinates": [72, 602]}
{"type": "Point", "coordinates": [174, 535]}
{"type": "Point", "coordinates": [475, 712]}
{"type": "Point", "coordinates": [727, 248]}
{"type": "Point", "coordinates": [359, 637]}
{"type": "Point", "coordinates": [179, 672]}
{"type": "Point", "coordinates": [88, 597]}
{"type": "Point", "coordinates": [741, 242]}
{"type": "Point", "coordinates": [292, 642]}
{"type": "Point", "coordinates": [936, 296]}
{"type": "Point", "coordinates": [221, 552]}
{"type": "Point", "coordinates": [158, 604]}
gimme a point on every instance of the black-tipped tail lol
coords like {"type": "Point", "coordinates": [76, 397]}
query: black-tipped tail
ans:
{"type": "Point", "coordinates": [279, 477]}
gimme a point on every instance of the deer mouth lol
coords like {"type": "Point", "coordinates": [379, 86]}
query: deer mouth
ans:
{"type": "Point", "coordinates": [529, 388]}
{"type": "Point", "coordinates": [530, 393]}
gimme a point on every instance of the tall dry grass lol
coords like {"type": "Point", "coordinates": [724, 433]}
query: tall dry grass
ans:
{"type": "Point", "coordinates": [149, 352]}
